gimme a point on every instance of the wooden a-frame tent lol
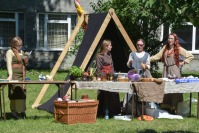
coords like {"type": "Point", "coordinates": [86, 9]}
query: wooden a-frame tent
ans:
{"type": "Point", "coordinates": [92, 46]}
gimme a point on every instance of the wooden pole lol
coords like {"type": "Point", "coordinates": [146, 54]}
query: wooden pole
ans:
{"type": "Point", "coordinates": [96, 41]}
{"type": "Point", "coordinates": [90, 51]}
{"type": "Point", "coordinates": [59, 61]}
{"type": "Point", "coordinates": [121, 29]}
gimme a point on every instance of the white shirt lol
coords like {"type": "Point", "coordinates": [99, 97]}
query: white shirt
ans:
{"type": "Point", "coordinates": [139, 55]}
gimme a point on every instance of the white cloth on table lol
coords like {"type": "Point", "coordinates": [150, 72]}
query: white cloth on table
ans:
{"type": "Point", "coordinates": [125, 87]}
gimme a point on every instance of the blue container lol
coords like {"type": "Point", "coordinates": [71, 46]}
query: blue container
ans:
{"type": "Point", "coordinates": [27, 78]}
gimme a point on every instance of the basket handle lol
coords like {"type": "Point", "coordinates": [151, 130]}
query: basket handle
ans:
{"type": "Point", "coordinates": [60, 112]}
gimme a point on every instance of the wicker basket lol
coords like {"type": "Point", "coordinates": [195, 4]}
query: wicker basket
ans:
{"type": "Point", "coordinates": [123, 80]}
{"type": "Point", "coordinates": [75, 112]}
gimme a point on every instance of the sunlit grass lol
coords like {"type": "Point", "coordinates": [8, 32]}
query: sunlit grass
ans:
{"type": "Point", "coordinates": [39, 121]}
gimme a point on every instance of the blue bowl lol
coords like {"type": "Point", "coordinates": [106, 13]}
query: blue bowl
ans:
{"type": "Point", "coordinates": [26, 78]}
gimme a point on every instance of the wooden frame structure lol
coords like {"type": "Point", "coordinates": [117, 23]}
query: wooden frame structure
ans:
{"type": "Point", "coordinates": [110, 15]}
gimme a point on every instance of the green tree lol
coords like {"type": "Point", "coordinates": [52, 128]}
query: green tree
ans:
{"type": "Point", "coordinates": [142, 18]}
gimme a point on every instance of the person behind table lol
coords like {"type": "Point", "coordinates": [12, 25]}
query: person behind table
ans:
{"type": "Point", "coordinates": [16, 63]}
{"type": "Point", "coordinates": [169, 55]}
{"type": "Point", "coordinates": [139, 60]}
{"type": "Point", "coordinates": [107, 100]}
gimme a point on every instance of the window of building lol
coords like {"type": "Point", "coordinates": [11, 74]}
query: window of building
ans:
{"type": "Point", "coordinates": [11, 25]}
{"type": "Point", "coordinates": [196, 31]}
{"type": "Point", "coordinates": [188, 37]}
{"type": "Point", "coordinates": [185, 37]}
{"type": "Point", "coordinates": [54, 30]}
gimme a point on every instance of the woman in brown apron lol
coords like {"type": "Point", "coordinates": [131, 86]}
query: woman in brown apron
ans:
{"type": "Point", "coordinates": [169, 55]}
{"type": "Point", "coordinates": [16, 62]}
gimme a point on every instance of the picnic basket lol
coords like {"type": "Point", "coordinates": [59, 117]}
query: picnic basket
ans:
{"type": "Point", "coordinates": [72, 112]}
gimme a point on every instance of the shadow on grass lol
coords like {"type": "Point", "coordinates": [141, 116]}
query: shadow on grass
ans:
{"type": "Point", "coordinates": [39, 117]}
{"type": "Point", "coordinates": [153, 131]}
{"type": "Point", "coordinates": [10, 117]}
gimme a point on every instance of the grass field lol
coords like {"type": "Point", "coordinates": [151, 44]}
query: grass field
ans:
{"type": "Point", "coordinates": [39, 121]}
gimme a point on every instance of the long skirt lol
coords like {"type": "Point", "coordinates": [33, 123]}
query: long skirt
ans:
{"type": "Point", "coordinates": [17, 92]}
{"type": "Point", "coordinates": [110, 100]}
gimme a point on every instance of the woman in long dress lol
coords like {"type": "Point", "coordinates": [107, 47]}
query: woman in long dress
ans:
{"type": "Point", "coordinates": [16, 62]}
{"type": "Point", "coordinates": [169, 55]}
{"type": "Point", "coordinates": [109, 102]}
{"type": "Point", "coordinates": [138, 60]}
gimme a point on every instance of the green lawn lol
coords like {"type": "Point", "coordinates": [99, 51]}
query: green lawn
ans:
{"type": "Point", "coordinates": [39, 121]}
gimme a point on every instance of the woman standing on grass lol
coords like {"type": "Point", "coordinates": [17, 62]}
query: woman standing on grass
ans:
{"type": "Point", "coordinates": [169, 55]}
{"type": "Point", "coordinates": [138, 60]}
{"type": "Point", "coordinates": [109, 102]}
{"type": "Point", "coordinates": [16, 62]}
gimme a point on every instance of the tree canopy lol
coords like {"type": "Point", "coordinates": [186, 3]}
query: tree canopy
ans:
{"type": "Point", "coordinates": [143, 18]}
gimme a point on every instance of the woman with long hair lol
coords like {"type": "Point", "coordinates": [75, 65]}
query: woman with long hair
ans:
{"type": "Point", "coordinates": [109, 102]}
{"type": "Point", "coordinates": [16, 62]}
{"type": "Point", "coordinates": [169, 55]}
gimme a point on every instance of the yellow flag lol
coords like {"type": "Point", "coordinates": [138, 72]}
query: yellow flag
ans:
{"type": "Point", "coordinates": [78, 8]}
{"type": "Point", "coordinates": [80, 12]}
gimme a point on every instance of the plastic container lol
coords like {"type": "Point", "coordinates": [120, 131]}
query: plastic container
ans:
{"type": "Point", "coordinates": [106, 114]}
{"type": "Point", "coordinates": [41, 77]}
{"type": "Point", "coordinates": [27, 78]}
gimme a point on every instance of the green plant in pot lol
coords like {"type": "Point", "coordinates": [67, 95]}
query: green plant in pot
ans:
{"type": "Point", "coordinates": [75, 73]}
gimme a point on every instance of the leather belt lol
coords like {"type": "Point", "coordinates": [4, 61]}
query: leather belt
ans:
{"type": "Point", "coordinates": [169, 65]}
{"type": "Point", "coordinates": [17, 65]}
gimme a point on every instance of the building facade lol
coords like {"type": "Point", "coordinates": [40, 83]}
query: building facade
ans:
{"type": "Point", "coordinates": [44, 26]}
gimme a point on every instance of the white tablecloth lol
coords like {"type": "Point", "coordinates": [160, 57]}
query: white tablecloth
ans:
{"type": "Point", "coordinates": [107, 86]}
{"type": "Point", "coordinates": [172, 87]}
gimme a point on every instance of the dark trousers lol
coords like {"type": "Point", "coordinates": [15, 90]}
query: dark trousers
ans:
{"type": "Point", "coordinates": [110, 100]}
